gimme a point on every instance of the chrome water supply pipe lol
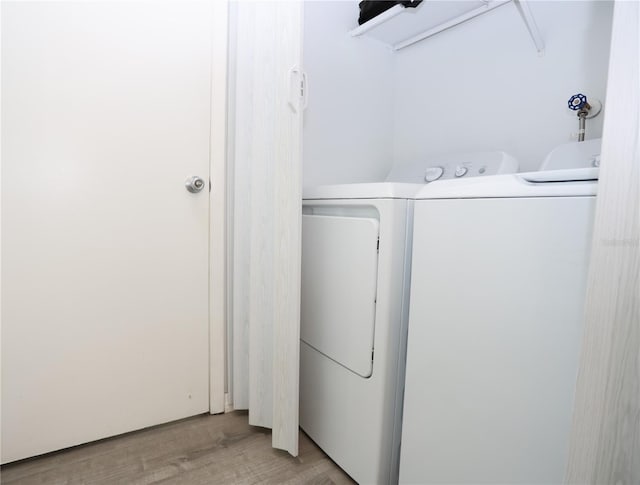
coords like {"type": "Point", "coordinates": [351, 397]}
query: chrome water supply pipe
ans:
{"type": "Point", "coordinates": [578, 102]}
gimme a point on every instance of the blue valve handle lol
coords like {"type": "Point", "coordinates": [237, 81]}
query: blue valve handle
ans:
{"type": "Point", "coordinates": [577, 102]}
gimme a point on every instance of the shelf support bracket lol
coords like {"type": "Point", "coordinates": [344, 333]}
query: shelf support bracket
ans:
{"type": "Point", "coordinates": [527, 17]}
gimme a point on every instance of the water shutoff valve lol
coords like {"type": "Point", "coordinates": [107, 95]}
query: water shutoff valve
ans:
{"type": "Point", "coordinates": [578, 102]}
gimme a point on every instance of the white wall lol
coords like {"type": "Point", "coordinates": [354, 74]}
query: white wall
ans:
{"type": "Point", "coordinates": [348, 125]}
{"type": "Point", "coordinates": [482, 85]}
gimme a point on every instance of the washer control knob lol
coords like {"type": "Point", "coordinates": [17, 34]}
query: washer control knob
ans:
{"type": "Point", "coordinates": [460, 171]}
{"type": "Point", "coordinates": [433, 173]}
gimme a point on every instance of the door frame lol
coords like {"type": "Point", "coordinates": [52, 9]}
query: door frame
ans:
{"type": "Point", "coordinates": [218, 208]}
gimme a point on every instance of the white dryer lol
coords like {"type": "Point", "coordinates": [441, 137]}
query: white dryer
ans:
{"type": "Point", "coordinates": [496, 318]}
{"type": "Point", "coordinates": [355, 276]}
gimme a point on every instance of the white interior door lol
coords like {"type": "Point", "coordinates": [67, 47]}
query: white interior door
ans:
{"type": "Point", "coordinates": [105, 113]}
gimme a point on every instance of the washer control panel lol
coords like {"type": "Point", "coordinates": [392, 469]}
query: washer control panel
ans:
{"type": "Point", "coordinates": [453, 166]}
{"type": "Point", "coordinates": [455, 170]}
{"type": "Point", "coordinates": [470, 167]}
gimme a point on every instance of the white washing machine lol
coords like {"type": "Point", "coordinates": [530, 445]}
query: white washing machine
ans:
{"type": "Point", "coordinates": [355, 275]}
{"type": "Point", "coordinates": [496, 317]}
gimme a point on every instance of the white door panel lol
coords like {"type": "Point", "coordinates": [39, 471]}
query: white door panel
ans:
{"type": "Point", "coordinates": [104, 253]}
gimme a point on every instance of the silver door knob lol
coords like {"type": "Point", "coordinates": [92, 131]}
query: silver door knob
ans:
{"type": "Point", "coordinates": [194, 184]}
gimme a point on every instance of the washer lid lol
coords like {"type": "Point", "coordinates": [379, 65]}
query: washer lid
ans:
{"type": "Point", "coordinates": [566, 175]}
{"type": "Point", "coordinates": [379, 190]}
{"type": "Point", "coordinates": [550, 183]}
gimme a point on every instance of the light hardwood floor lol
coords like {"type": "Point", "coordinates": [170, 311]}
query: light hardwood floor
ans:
{"type": "Point", "coordinates": [221, 449]}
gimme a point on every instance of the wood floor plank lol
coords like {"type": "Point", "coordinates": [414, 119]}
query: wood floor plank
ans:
{"type": "Point", "coordinates": [221, 449]}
